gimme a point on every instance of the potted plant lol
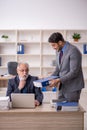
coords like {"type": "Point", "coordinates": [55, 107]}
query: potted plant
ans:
{"type": "Point", "coordinates": [5, 37]}
{"type": "Point", "coordinates": [76, 37]}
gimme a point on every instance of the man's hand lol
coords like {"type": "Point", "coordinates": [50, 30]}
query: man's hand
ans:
{"type": "Point", "coordinates": [21, 84]}
{"type": "Point", "coordinates": [37, 103]}
{"type": "Point", "coordinates": [54, 82]}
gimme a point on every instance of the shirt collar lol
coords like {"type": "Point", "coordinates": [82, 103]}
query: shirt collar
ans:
{"type": "Point", "coordinates": [64, 47]}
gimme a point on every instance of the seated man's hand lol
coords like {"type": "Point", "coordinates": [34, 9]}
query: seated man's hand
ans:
{"type": "Point", "coordinates": [37, 103]}
{"type": "Point", "coordinates": [22, 84]}
{"type": "Point", "coordinates": [22, 81]}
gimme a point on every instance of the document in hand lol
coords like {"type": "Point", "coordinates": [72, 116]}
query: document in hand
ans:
{"type": "Point", "coordinates": [44, 82]}
{"type": "Point", "coordinates": [67, 106]}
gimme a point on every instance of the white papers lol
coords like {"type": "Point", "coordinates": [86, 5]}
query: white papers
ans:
{"type": "Point", "coordinates": [4, 103]}
{"type": "Point", "coordinates": [71, 108]}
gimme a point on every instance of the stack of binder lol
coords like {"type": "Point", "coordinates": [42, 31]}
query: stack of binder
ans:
{"type": "Point", "coordinates": [67, 106]}
{"type": "Point", "coordinates": [4, 103]}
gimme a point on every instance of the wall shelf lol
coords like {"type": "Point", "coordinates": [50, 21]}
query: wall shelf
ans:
{"type": "Point", "coordinates": [37, 50]}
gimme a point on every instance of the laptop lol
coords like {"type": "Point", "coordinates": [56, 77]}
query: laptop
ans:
{"type": "Point", "coordinates": [20, 100]}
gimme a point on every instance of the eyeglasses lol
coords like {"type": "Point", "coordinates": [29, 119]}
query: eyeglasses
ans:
{"type": "Point", "coordinates": [21, 70]}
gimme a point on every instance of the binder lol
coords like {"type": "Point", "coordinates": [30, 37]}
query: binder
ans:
{"type": "Point", "coordinates": [20, 49]}
{"type": "Point", "coordinates": [67, 106]}
{"type": "Point", "coordinates": [0, 61]}
{"type": "Point", "coordinates": [85, 48]}
{"type": "Point", "coordinates": [44, 82]}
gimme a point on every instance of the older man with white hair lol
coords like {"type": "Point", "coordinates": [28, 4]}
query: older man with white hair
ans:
{"type": "Point", "coordinates": [23, 83]}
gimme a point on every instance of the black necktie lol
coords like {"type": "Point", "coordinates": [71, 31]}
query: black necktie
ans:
{"type": "Point", "coordinates": [60, 56]}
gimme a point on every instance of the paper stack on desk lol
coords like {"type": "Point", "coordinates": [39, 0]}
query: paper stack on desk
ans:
{"type": "Point", "coordinates": [4, 103]}
{"type": "Point", "coordinates": [44, 82]}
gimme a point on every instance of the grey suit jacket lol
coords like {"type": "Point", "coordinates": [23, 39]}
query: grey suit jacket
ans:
{"type": "Point", "coordinates": [70, 70]}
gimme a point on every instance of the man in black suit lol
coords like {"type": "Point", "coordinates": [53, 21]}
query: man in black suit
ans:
{"type": "Point", "coordinates": [23, 83]}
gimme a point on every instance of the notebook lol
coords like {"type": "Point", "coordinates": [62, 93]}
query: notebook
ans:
{"type": "Point", "coordinates": [22, 100]}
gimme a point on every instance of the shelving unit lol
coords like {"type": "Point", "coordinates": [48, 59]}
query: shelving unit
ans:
{"type": "Point", "coordinates": [37, 51]}
{"type": "Point", "coordinates": [80, 44]}
{"type": "Point", "coordinates": [7, 49]}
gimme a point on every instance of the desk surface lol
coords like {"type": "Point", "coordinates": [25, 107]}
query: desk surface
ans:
{"type": "Point", "coordinates": [43, 117]}
{"type": "Point", "coordinates": [6, 77]}
{"type": "Point", "coordinates": [4, 80]}
{"type": "Point", "coordinates": [43, 108]}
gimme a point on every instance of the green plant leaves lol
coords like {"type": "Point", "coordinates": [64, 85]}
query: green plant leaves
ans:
{"type": "Point", "coordinates": [76, 36]}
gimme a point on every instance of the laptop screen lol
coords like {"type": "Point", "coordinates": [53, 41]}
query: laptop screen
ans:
{"type": "Point", "coordinates": [20, 100]}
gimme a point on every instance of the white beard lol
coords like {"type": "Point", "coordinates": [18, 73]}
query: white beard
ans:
{"type": "Point", "coordinates": [24, 77]}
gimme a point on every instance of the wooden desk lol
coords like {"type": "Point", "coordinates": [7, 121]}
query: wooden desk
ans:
{"type": "Point", "coordinates": [41, 118]}
{"type": "Point", "coordinates": [4, 80]}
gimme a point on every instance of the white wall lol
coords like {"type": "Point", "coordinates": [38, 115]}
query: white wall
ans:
{"type": "Point", "coordinates": [43, 14]}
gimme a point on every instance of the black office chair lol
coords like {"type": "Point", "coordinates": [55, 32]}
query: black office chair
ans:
{"type": "Point", "coordinates": [12, 66]}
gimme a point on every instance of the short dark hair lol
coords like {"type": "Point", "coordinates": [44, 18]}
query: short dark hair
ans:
{"type": "Point", "coordinates": [56, 37]}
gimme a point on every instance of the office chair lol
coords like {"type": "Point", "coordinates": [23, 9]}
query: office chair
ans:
{"type": "Point", "coordinates": [12, 66]}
